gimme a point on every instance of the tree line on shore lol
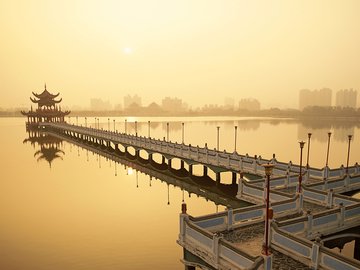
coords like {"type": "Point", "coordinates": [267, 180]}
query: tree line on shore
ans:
{"type": "Point", "coordinates": [216, 111]}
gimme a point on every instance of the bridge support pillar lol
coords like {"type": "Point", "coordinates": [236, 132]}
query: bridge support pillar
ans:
{"type": "Point", "coordinates": [357, 249]}
{"type": "Point", "coordinates": [218, 178]}
{"type": "Point", "coordinates": [116, 147]}
{"type": "Point", "coordinates": [205, 171]}
{"type": "Point", "coordinates": [190, 170]}
{"type": "Point", "coordinates": [162, 160]}
{"type": "Point", "coordinates": [137, 153]}
{"type": "Point", "coordinates": [182, 164]}
{"type": "Point", "coordinates": [233, 178]}
{"type": "Point", "coordinates": [150, 157]}
{"type": "Point", "coordinates": [169, 164]}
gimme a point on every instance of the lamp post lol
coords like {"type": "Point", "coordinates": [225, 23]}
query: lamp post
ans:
{"type": "Point", "coordinates": [125, 126]}
{"type": "Point", "coordinates": [328, 148]}
{"type": "Point", "coordinates": [98, 122]}
{"type": "Point", "coordinates": [182, 135]}
{"type": "Point", "coordinates": [109, 124]}
{"type": "Point", "coordinates": [149, 129]}
{"type": "Point", "coordinates": [302, 143]}
{"type": "Point", "coordinates": [308, 151]}
{"type": "Point", "coordinates": [348, 155]}
{"type": "Point", "coordinates": [136, 128]}
{"type": "Point", "coordinates": [235, 137]}
{"type": "Point", "coordinates": [85, 121]}
{"type": "Point", "coordinates": [268, 171]}
{"type": "Point", "coordinates": [218, 135]}
{"type": "Point", "coordinates": [114, 124]}
{"type": "Point", "coordinates": [167, 131]}
{"type": "Point", "coordinates": [77, 121]}
{"type": "Point", "coordinates": [95, 123]}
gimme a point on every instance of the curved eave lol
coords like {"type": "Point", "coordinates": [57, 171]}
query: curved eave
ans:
{"type": "Point", "coordinates": [34, 100]}
{"type": "Point", "coordinates": [45, 94]}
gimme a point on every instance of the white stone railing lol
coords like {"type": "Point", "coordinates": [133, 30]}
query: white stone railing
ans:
{"type": "Point", "coordinates": [256, 193]}
{"type": "Point", "coordinates": [291, 237]}
{"type": "Point", "coordinates": [213, 249]}
{"type": "Point", "coordinates": [310, 253]}
{"type": "Point", "coordinates": [230, 161]}
{"type": "Point", "coordinates": [234, 218]}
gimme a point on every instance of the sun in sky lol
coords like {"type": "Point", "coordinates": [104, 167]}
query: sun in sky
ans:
{"type": "Point", "coordinates": [127, 50]}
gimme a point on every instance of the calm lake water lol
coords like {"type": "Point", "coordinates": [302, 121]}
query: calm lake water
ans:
{"type": "Point", "coordinates": [77, 214]}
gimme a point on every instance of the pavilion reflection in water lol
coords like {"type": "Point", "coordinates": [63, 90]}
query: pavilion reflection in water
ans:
{"type": "Point", "coordinates": [48, 146]}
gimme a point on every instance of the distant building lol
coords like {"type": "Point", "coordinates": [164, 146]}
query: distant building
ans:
{"type": "Point", "coordinates": [249, 104]}
{"type": "Point", "coordinates": [129, 100]}
{"type": "Point", "coordinates": [346, 98]}
{"type": "Point", "coordinates": [229, 103]}
{"type": "Point", "coordinates": [169, 104]}
{"type": "Point", "coordinates": [320, 98]}
{"type": "Point", "coordinates": [97, 104]}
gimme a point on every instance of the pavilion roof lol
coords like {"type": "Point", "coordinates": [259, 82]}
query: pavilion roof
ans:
{"type": "Point", "coordinates": [45, 98]}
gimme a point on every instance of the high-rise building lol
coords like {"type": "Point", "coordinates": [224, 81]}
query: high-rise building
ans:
{"type": "Point", "coordinates": [346, 98]}
{"type": "Point", "coordinates": [320, 98]}
{"type": "Point", "coordinates": [249, 104]}
{"type": "Point", "coordinates": [97, 104]}
{"type": "Point", "coordinates": [129, 100]}
{"type": "Point", "coordinates": [173, 104]}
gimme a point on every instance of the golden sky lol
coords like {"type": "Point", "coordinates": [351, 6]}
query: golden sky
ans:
{"type": "Point", "coordinates": [201, 51]}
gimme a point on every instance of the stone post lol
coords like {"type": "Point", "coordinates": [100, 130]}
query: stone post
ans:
{"type": "Point", "coordinates": [268, 262]}
{"type": "Point", "coordinates": [216, 247]}
{"type": "Point", "coordinates": [342, 172]}
{"type": "Point", "coordinates": [309, 223]}
{"type": "Point", "coordinates": [289, 166]}
{"type": "Point", "coordinates": [301, 202]}
{"type": "Point", "coordinates": [315, 253]}
{"type": "Point", "coordinates": [330, 198]}
{"type": "Point", "coordinates": [240, 186]}
{"type": "Point", "coordinates": [342, 214]}
{"type": "Point", "coordinates": [241, 164]}
{"type": "Point", "coordinates": [325, 184]}
{"type": "Point", "coordinates": [287, 178]}
{"type": "Point", "coordinates": [229, 217]}
{"type": "Point", "coordinates": [347, 180]}
{"type": "Point", "coordinates": [325, 172]}
{"type": "Point", "coordinates": [255, 165]}
{"type": "Point", "coordinates": [183, 218]}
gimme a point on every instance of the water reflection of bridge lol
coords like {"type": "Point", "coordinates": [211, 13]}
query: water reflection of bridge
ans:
{"type": "Point", "coordinates": [204, 186]}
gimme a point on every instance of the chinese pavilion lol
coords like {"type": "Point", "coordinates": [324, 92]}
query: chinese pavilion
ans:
{"type": "Point", "coordinates": [48, 109]}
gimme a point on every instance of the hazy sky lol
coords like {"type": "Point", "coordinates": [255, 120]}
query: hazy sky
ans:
{"type": "Point", "coordinates": [201, 51]}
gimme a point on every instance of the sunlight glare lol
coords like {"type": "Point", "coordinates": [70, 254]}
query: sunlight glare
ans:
{"type": "Point", "coordinates": [127, 50]}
